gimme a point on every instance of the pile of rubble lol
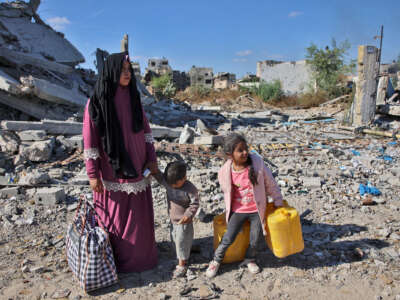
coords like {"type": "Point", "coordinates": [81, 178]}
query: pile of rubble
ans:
{"type": "Point", "coordinates": [352, 235]}
{"type": "Point", "coordinates": [38, 74]}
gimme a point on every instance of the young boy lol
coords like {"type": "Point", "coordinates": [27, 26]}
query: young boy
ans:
{"type": "Point", "coordinates": [183, 202]}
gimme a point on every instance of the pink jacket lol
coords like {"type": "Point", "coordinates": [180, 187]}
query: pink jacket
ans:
{"type": "Point", "coordinates": [266, 186]}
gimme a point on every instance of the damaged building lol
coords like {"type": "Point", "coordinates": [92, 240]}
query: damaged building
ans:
{"type": "Point", "coordinates": [158, 67]}
{"type": "Point", "coordinates": [295, 76]}
{"type": "Point", "coordinates": [136, 70]}
{"type": "Point", "coordinates": [224, 80]}
{"type": "Point", "coordinates": [201, 77]}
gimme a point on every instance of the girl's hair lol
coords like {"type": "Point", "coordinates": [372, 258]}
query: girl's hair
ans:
{"type": "Point", "coordinates": [230, 144]}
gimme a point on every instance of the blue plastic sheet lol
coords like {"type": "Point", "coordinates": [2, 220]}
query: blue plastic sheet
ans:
{"type": "Point", "coordinates": [317, 121]}
{"type": "Point", "coordinates": [356, 153]}
{"type": "Point", "coordinates": [368, 189]}
{"type": "Point", "coordinates": [386, 158]}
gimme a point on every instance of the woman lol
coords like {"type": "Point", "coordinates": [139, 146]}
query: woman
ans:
{"type": "Point", "coordinates": [118, 147]}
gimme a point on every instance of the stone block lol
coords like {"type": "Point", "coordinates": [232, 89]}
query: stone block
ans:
{"type": "Point", "coordinates": [9, 192]}
{"type": "Point", "coordinates": [32, 135]}
{"type": "Point", "coordinates": [209, 140]}
{"type": "Point", "coordinates": [38, 151]}
{"type": "Point", "coordinates": [49, 196]}
{"type": "Point", "coordinates": [311, 182]}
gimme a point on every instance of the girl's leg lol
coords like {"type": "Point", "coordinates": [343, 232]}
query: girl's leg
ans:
{"type": "Point", "coordinates": [234, 226]}
{"type": "Point", "coordinates": [255, 231]}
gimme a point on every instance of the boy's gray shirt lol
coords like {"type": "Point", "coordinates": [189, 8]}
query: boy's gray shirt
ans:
{"type": "Point", "coordinates": [181, 202]}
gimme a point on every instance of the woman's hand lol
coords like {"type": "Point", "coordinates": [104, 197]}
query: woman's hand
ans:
{"type": "Point", "coordinates": [152, 166]}
{"type": "Point", "coordinates": [96, 185]}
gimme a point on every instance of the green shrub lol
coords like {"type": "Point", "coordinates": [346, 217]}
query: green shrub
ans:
{"type": "Point", "coordinates": [327, 66]}
{"type": "Point", "coordinates": [163, 86]}
{"type": "Point", "coordinates": [268, 90]}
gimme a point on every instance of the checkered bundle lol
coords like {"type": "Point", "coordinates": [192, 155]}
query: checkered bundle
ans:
{"type": "Point", "coordinates": [89, 251]}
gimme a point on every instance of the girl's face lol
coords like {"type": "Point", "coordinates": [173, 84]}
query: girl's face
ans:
{"type": "Point", "coordinates": [126, 75]}
{"type": "Point", "coordinates": [240, 153]}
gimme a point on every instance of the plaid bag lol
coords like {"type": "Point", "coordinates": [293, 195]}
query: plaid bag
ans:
{"type": "Point", "coordinates": [89, 251]}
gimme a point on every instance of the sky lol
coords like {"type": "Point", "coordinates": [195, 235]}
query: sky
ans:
{"type": "Point", "coordinates": [229, 36]}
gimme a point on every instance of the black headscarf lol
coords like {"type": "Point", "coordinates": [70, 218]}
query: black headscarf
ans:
{"type": "Point", "coordinates": [103, 113]}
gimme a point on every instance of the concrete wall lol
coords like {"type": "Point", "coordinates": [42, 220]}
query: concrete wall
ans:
{"type": "Point", "coordinates": [294, 76]}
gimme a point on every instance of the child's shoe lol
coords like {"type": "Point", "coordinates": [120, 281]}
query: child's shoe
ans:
{"type": "Point", "coordinates": [179, 271]}
{"type": "Point", "coordinates": [212, 269]}
{"type": "Point", "coordinates": [253, 268]}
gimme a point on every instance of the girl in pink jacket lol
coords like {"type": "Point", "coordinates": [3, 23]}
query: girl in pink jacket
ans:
{"type": "Point", "coordinates": [246, 183]}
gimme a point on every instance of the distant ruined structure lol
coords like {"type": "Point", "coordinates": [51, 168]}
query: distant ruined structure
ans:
{"type": "Point", "coordinates": [295, 76]}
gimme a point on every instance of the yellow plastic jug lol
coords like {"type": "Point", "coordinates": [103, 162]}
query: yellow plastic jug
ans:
{"type": "Point", "coordinates": [284, 235]}
{"type": "Point", "coordinates": [236, 251]}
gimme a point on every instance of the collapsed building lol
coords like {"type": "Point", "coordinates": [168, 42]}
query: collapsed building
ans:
{"type": "Point", "coordinates": [38, 74]}
{"type": "Point", "coordinates": [295, 76]}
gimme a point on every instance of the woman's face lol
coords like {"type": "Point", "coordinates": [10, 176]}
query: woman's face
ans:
{"type": "Point", "coordinates": [126, 75]}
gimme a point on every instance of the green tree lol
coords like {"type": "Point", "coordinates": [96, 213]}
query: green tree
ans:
{"type": "Point", "coordinates": [327, 65]}
{"type": "Point", "coordinates": [163, 86]}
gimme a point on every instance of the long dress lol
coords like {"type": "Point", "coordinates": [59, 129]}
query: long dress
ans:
{"type": "Point", "coordinates": [126, 206]}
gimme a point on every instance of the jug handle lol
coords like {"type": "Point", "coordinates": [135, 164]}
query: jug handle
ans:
{"type": "Point", "coordinates": [285, 213]}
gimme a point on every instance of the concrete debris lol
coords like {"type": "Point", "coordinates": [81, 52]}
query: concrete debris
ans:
{"type": "Point", "coordinates": [8, 141]}
{"type": "Point", "coordinates": [38, 151]}
{"type": "Point", "coordinates": [209, 140]}
{"type": "Point", "coordinates": [351, 241]}
{"type": "Point", "coordinates": [50, 196]}
{"type": "Point", "coordinates": [186, 135]}
{"type": "Point", "coordinates": [32, 135]}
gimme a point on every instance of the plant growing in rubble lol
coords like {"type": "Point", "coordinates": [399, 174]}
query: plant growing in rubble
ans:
{"type": "Point", "coordinates": [268, 90]}
{"type": "Point", "coordinates": [327, 65]}
{"type": "Point", "coordinates": [163, 86]}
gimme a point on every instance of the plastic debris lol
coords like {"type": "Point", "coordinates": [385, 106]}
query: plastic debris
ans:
{"type": "Point", "coordinates": [356, 153]}
{"type": "Point", "coordinates": [368, 189]}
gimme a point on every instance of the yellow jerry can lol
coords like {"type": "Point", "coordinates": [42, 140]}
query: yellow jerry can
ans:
{"type": "Point", "coordinates": [284, 235]}
{"type": "Point", "coordinates": [236, 251]}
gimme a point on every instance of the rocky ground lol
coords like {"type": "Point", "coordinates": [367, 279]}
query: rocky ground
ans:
{"type": "Point", "coordinates": [352, 244]}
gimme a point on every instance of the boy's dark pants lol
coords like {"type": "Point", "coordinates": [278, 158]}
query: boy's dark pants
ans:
{"type": "Point", "coordinates": [235, 224]}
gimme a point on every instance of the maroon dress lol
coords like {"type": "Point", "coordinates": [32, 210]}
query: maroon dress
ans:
{"type": "Point", "coordinates": [126, 206]}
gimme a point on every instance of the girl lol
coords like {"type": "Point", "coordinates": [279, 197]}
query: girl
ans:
{"type": "Point", "coordinates": [246, 182]}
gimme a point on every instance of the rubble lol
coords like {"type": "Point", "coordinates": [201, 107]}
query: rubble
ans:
{"type": "Point", "coordinates": [351, 246]}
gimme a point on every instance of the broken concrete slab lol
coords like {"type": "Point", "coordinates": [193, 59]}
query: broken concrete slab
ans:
{"type": "Point", "coordinates": [47, 43]}
{"type": "Point", "coordinates": [38, 151]}
{"type": "Point", "coordinates": [50, 196]}
{"type": "Point", "coordinates": [165, 132]}
{"type": "Point", "coordinates": [209, 140]}
{"type": "Point", "coordinates": [33, 178]}
{"type": "Point", "coordinates": [22, 59]}
{"type": "Point", "coordinates": [31, 107]}
{"type": "Point", "coordinates": [8, 84]}
{"type": "Point", "coordinates": [186, 135]}
{"type": "Point", "coordinates": [32, 135]}
{"type": "Point", "coordinates": [9, 192]}
{"type": "Point", "coordinates": [52, 92]}
{"type": "Point", "coordinates": [50, 126]}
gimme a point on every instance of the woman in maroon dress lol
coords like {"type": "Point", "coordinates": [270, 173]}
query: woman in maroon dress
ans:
{"type": "Point", "coordinates": [118, 147]}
